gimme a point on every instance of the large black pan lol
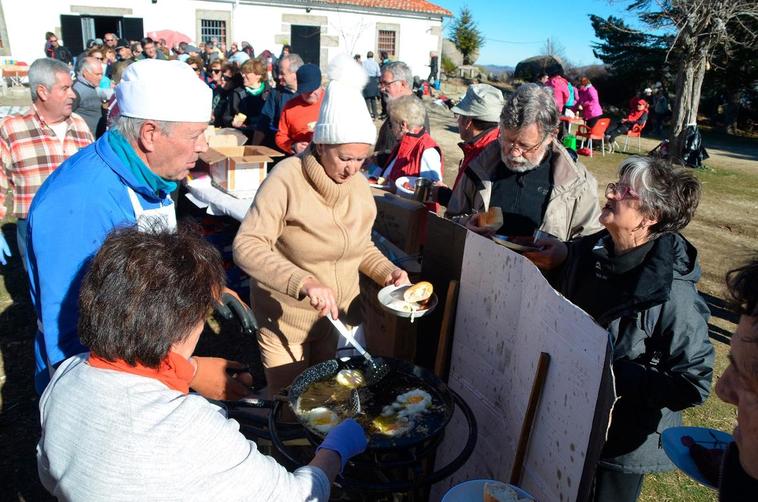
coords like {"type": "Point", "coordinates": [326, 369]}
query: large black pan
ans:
{"type": "Point", "coordinates": [403, 376]}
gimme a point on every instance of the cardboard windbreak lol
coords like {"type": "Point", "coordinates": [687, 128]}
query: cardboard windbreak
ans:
{"type": "Point", "coordinates": [238, 170]}
{"type": "Point", "coordinates": [507, 315]}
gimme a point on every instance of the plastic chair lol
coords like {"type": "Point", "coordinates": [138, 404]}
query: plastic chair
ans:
{"type": "Point", "coordinates": [596, 132]}
{"type": "Point", "coordinates": [635, 132]}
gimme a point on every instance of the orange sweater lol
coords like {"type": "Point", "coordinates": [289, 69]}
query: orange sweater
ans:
{"type": "Point", "coordinates": [297, 122]}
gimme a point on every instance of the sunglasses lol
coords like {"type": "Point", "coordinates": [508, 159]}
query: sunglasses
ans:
{"type": "Point", "coordinates": [620, 191]}
{"type": "Point", "coordinates": [226, 78]}
{"type": "Point", "coordinates": [195, 69]}
{"type": "Point", "coordinates": [216, 70]}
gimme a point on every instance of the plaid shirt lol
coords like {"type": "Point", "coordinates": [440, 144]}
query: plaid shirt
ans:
{"type": "Point", "coordinates": [30, 151]}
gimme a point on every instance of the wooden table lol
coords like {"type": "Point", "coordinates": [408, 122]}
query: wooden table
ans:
{"type": "Point", "coordinates": [14, 73]}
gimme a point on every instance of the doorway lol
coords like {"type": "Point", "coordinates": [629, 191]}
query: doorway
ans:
{"type": "Point", "coordinates": [306, 42]}
{"type": "Point", "coordinates": [77, 30]}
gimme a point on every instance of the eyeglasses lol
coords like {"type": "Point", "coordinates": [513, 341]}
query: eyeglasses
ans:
{"type": "Point", "coordinates": [216, 70]}
{"type": "Point", "coordinates": [99, 58]}
{"type": "Point", "coordinates": [227, 78]}
{"type": "Point", "coordinates": [195, 69]}
{"type": "Point", "coordinates": [620, 191]}
{"type": "Point", "coordinates": [382, 83]}
{"type": "Point", "coordinates": [522, 150]}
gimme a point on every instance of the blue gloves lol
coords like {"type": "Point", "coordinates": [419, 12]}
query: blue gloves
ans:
{"type": "Point", "coordinates": [347, 439]}
{"type": "Point", "coordinates": [4, 250]}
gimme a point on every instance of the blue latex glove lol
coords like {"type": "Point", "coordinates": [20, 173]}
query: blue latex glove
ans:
{"type": "Point", "coordinates": [347, 439]}
{"type": "Point", "coordinates": [4, 250]}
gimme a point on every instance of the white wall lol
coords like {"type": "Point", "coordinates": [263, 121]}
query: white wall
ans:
{"type": "Point", "coordinates": [28, 20]}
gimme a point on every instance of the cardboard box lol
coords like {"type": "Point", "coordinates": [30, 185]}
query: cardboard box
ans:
{"type": "Point", "coordinates": [238, 170]}
{"type": "Point", "coordinates": [226, 136]}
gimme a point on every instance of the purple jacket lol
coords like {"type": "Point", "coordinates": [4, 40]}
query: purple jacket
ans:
{"type": "Point", "coordinates": [590, 102]}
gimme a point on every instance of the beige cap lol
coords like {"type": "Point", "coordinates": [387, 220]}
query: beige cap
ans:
{"type": "Point", "coordinates": [482, 102]}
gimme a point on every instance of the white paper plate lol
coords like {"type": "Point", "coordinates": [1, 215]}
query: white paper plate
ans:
{"type": "Point", "coordinates": [391, 294]}
{"type": "Point", "coordinates": [473, 491]}
{"type": "Point", "coordinates": [679, 454]}
{"type": "Point", "coordinates": [401, 190]}
{"type": "Point", "coordinates": [374, 185]}
{"type": "Point", "coordinates": [520, 248]}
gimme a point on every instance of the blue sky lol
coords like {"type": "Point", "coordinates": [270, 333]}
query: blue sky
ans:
{"type": "Point", "coordinates": [531, 22]}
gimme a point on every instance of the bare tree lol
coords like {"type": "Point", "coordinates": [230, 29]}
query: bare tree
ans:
{"type": "Point", "coordinates": [701, 28]}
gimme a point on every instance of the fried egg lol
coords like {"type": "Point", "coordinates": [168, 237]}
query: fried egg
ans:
{"type": "Point", "coordinates": [412, 402]}
{"type": "Point", "coordinates": [392, 425]}
{"type": "Point", "coordinates": [352, 379]}
{"type": "Point", "coordinates": [322, 419]}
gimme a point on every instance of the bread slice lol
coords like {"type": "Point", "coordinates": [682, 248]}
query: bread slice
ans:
{"type": "Point", "coordinates": [419, 292]}
{"type": "Point", "coordinates": [240, 117]}
{"type": "Point", "coordinates": [500, 492]}
{"type": "Point", "coordinates": [492, 219]}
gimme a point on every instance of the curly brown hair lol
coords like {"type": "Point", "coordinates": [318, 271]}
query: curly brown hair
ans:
{"type": "Point", "coordinates": [145, 291]}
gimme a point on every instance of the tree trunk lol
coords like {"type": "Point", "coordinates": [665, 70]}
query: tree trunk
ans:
{"type": "Point", "coordinates": [689, 81]}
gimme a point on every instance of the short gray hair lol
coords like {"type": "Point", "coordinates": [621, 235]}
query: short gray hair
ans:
{"type": "Point", "coordinates": [667, 194]}
{"type": "Point", "coordinates": [88, 63]}
{"type": "Point", "coordinates": [295, 61]}
{"type": "Point", "coordinates": [530, 104]}
{"type": "Point", "coordinates": [408, 109]}
{"type": "Point", "coordinates": [129, 127]}
{"type": "Point", "coordinates": [44, 72]}
{"type": "Point", "coordinates": [400, 71]}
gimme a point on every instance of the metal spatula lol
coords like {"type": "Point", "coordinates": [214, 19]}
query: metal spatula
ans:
{"type": "Point", "coordinates": [376, 367]}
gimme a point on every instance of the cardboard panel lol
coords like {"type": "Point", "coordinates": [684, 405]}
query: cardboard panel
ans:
{"type": "Point", "coordinates": [401, 221]}
{"type": "Point", "coordinates": [507, 314]}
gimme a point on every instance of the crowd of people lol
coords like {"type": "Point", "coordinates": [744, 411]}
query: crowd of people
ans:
{"type": "Point", "coordinates": [121, 290]}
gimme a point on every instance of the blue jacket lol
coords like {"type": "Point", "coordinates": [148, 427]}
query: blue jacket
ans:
{"type": "Point", "coordinates": [70, 217]}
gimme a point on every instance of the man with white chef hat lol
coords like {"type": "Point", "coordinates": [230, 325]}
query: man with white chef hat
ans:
{"type": "Point", "coordinates": [123, 179]}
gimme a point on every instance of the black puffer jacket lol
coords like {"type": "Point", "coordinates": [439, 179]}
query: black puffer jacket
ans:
{"type": "Point", "coordinates": [662, 357]}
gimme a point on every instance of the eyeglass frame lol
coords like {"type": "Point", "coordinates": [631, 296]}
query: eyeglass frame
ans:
{"type": "Point", "coordinates": [384, 85]}
{"type": "Point", "coordinates": [522, 151]}
{"type": "Point", "coordinates": [627, 192]}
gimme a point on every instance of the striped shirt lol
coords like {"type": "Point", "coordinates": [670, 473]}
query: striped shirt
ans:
{"type": "Point", "coordinates": [30, 151]}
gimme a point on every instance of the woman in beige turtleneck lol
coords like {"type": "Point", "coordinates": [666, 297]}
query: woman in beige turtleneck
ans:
{"type": "Point", "coordinates": [308, 235]}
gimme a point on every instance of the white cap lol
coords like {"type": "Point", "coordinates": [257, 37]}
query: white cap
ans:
{"type": "Point", "coordinates": [163, 90]}
{"type": "Point", "coordinates": [344, 117]}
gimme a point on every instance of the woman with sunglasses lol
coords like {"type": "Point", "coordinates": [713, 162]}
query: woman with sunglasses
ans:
{"type": "Point", "coordinates": [638, 278]}
{"type": "Point", "coordinates": [230, 95]}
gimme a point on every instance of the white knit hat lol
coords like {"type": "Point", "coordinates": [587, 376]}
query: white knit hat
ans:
{"type": "Point", "coordinates": [344, 117]}
{"type": "Point", "coordinates": [163, 90]}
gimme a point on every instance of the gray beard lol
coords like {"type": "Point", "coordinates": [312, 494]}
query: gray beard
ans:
{"type": "Point", "coordinates": [518, 167]}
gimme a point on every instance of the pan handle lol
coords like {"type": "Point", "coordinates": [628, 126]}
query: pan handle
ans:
{"type": "Point", "coordinates": [231, 307]}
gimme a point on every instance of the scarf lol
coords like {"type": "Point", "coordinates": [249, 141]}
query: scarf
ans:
{"type": "Point", "coordinates": [174, 371]}
{"type": "Point", "coordinates": [144, 176]}
{"type": "Point", "coordinates": [256, 92]}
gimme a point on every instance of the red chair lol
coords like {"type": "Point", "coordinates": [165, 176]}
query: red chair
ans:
{"type": "Point", "coordinates": [635, 132]}
{"type": "Point", "coordinates": [596, 132]}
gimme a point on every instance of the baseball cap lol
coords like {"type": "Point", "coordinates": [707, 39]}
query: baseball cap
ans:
{"type": "Point", "coordinates": [482, 102]}
{"type": "Point", "coordinates": [308, 78]}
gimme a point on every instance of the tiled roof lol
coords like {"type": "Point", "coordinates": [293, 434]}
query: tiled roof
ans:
{"type": "Point", "coordinates": [421, 6]}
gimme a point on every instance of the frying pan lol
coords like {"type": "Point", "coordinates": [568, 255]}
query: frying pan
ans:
{"type": "Point", "coordinates": [403, 376]}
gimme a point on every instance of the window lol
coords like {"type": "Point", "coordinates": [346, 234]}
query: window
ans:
{"type": "Point", "coordinates": [211, 28]}
{"type": "Point", "coordinates": [387, 41]}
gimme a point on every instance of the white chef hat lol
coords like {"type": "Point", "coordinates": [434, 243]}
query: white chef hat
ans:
{"type": "Point", "coordinates": [343, 117]}
{"type": "Point", "coordinates": [163, 90]}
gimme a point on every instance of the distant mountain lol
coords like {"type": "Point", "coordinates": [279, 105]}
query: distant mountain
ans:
{"type": "Point", "coordinates": [491, 68]}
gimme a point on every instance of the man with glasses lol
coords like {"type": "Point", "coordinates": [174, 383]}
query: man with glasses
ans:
{"type": "Point", "coordinates": [110, 40]}
{"type": "Point", "coordinates": [529, 175]}
{"type": "Point", "coordinates": [89, 103]}
{"type": "Point", "coordinates": [268, 121]}
{"type": "Point", "coordinates": [396, 81]}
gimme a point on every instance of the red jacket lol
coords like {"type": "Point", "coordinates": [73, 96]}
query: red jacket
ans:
{"type": "Point", "coordinates": [472, 149]}
{"type": "Point", "coordinates": [408, 153]}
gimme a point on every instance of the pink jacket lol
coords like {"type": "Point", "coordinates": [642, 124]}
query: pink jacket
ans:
{"type": "Point", "coordinates": [560, 91]}
{"type": "Point", "coordinates": [590, 102]}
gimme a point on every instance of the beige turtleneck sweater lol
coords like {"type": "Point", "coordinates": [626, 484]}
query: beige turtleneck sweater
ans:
{"type": "Point", "coordinates": [304, 224]}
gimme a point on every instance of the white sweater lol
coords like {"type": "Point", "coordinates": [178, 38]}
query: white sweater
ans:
{"type": "Point", "coordinates": [109, 435]}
